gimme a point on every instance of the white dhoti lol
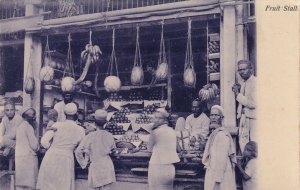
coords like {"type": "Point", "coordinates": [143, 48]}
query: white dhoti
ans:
{"type": "Point", "coordinates": [247, 131]}
{"type": "Point", "coordinates": [161, 176]}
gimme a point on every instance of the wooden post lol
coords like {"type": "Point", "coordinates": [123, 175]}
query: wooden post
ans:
{"type": "Point", "coordinates": [228, 63]}
{"type": "Point", "coordinates": [2, 77]}
{"type": "Point", "coordinates": [30, 41]}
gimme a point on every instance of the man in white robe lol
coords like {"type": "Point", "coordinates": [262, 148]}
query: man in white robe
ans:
{"type": "Point", "coordinates": [219, 155]}
{"type": "Point", "coordinates": [245, 95]}
{"type": "Point", "coordinates": [57, 168]}
{"type": "Point", "coordinates": [60, 106]}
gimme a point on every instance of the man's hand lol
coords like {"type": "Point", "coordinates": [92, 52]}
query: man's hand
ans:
{"type": "Point", "coordinates": [236, 88]}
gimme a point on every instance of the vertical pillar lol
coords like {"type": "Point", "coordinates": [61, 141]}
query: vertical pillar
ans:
{"type": "Point", "coordinates": [2, 76]}
{"type": "Point", "coordinates": [228, 58]}
{"type": "Point", "coordinates": [33, 100]}
{"type": "Point", "coordinates": [241, 36]}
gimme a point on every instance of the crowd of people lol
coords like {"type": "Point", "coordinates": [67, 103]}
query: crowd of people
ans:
{"type": "Point", "coordinates": [64, 138]}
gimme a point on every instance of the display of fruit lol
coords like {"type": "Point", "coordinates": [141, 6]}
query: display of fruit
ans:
{"type": "Point", "coordinates": [149, 109]}
{"type": "Point", "coordinates": [46, 73]}
{"type": "Point", "coordinates": [208, 92]}
{"type": "Point", "coordinates": [213, 66]}
{"type": "Point", "coordinates": [214, 47]}
{"type": "Point", "coordinates": [89, 56]}
{"type": "Point", "coordinates": [135, 96]}
{"type": "Point", "coordinates": [114, 128]}
{"type": "Point", "coordinates": [130, 137]}
{"type": "Point", "coordinates": [143, 119]}
{"type": "Point", "coordinates": [155, 95]}
{"type": "Point", "coordinates": [137, 75]}
{"type": "Point", "coordinates": [112, 83]}
{"type": "Point", "coordinates": [67, 84]}
{"type": "Point", "coordinates": [161, 71]}
{"type": "Point", "coordinates": [115, 97]}
{"type": "Point", "coordinates": [120, 117]}
{"type": "Point", "coordinates": [189, 77]}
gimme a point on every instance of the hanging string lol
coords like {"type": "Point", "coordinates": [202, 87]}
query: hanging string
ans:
{"type": "Point", "coordinates": [137, 56]}
{"type": "Point", "coordinates": [113, 59]}
{"type": "Point", "coordinates": [29, 67]}
{"type": "Point", "coordinates": [69, 66]}
{"type": "Point", "coordinates": [189, 63]}
{"type": "Point", "coordinates": [47, 53]}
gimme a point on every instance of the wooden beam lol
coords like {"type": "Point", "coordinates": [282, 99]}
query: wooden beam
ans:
{"type": "Point", "coordinates": [17, 24]}
{"type": "Point", "coordinates": [129, 16]}
{"type": "Point", "coordinates": [11, 43]}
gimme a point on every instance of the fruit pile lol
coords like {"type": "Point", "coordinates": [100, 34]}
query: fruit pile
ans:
{"type": "Point", "coordinates": [120, 116]}
{"type": "Point", "coordinates": [213, 66]}
{"type": "Point", "coordinates": [149, 109]}
{"type": "Point", "coordinates": [135, 96]}
{"type": "Point", "coordinates": [115, 97]}
{"type": "Point", "coordinates": [155, 95]}
{"type": "Point", "coordinates": [208, 92]}
{"type": "Point", "coordinates": [214, 47]}
{"type": "Point", "coordinates": [130, 137]}
{"type": "Point", "coordinates": [143, 119]}
{"type": "Point", "coordinates": [114, 129]}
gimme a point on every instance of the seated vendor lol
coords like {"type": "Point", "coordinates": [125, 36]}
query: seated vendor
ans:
{"type": "Point", "coordinates": [9, 124]}
{"type": "Point", "coordinates": [198, 122]}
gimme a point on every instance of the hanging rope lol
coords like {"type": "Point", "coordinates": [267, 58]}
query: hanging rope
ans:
{"type": "Point", "coordinates": [162, 65]}
{"type": "Point", "coordinates": [29, 84]}
{"type": "Point", "coordinates": [137, 56]}
{"type": "Point", "coordinates": [189, 72]}
{"type": "Point", "coordinates": [69, 69]}
{"type": "Point", "coordinates": [113, 60]}
{"type": "Point", "coordinates": [47, 53]}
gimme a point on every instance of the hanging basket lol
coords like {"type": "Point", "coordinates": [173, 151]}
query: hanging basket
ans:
{"type": "Point", "coordinates": [189, 75]}
{"type": "Point", "coordinates": [29, 85]}
{"type": "Point", "coordinates": [67, 83]}
{"type": "Point", "coordinates": [47, 72]}
{"type": "Point", "coordinates": [137, 73]}
{"type": "Point", "coordinates": [162, 66]}
{"type": "Point", "coordinates": [112, 82]}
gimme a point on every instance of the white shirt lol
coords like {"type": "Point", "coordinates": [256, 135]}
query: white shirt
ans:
{"type": "Point", "coordinates": [163, 141]}
{"type": "Point", "coordinates": [59, 107]}
{"type": "Point", "coordinates": [198, 125]}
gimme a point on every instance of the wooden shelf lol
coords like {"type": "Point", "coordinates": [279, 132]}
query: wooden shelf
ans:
{"type": "Point", "coordinates": [214, 56]}
{"type": "Point", "coordinates": [50, 87]}
{"type": "Point", "coordinates": [214, 76]}
{"type": "Point", "coordinates": [214, 37]}
{"type": "Point", "coordinates": [138, 87]}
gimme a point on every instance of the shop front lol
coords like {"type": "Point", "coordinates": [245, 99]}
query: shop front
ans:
{"type": "Point", "coordinates": [158, 56]}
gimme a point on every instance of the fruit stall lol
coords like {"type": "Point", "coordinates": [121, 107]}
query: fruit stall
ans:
{"type": "Point", "coordinates": [132, 62]}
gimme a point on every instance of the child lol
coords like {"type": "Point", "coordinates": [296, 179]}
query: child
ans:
{"type": "Point", "coordinates": [248, 166]}
{"type": "Point", "coordinates": [96, 147]}
{"type": "Point", "coordinates": [52, 116]}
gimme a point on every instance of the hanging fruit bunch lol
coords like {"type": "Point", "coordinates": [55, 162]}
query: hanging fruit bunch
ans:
{"type": "Point", "coordinates": [137, 73]}
{"type": "Point", "coordinates": [89, 56]}
{"type": "Point", "coordinates": [112, 83]}
{"type": "Point", "coordinates": [67, 83]}
{"type": "Point", "coordinates": [47, 72]}
{"type": "Point", "coordinates": [208, 92]}
{"type": "Point", "coordinates": [162, 67]}
{"type": "Point", "coordinates": [189, 75]}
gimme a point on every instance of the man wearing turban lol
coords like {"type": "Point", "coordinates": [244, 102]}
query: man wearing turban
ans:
{"type": "Point", "coordinates": [96, 147]}
{"type": "Point", "coordinates": [219, 155]}
{"type": "Point", "coordinates": [57, 168]}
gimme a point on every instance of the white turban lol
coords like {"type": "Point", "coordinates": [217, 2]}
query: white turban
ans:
{"type": "Point", "coordinates": [163, 112]}
{"type": "Point", "coordinates": [218, 108]}
{"type": "Point", "coordinates": [70, 109]}
{"type": "Point", "coordinates": [100, 114]}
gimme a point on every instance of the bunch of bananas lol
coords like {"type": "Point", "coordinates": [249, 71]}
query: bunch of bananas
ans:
{"type": "Point", "coordinates": [93, 51]}
{"type": "Point", "coordinates": [208, 92]}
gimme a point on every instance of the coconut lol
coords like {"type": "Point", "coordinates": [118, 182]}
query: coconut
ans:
{"type": "Point", "coordinates": [112, 83]}
{"type": "Point", "coordinates": [29, 85]}
{"type": "Point", "coordinates": [189, 77]}
{"type": "Point", "coordinates": [137, 75]}
{"type": "Point", "coordinates": [46, 73]}
{"type": "Point", "coordinates": [162, 71]}
{"type": "Point", "coordinates": [67, 84]}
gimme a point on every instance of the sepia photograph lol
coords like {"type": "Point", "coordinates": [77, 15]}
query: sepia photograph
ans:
{"type": "Point", "coordinates": [129, 94]}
